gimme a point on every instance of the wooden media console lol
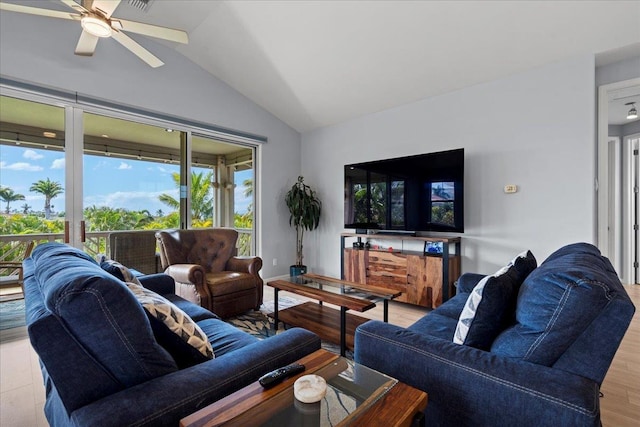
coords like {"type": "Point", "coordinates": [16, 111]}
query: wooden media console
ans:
{"type": "Point", "coordinates": [425, 279]}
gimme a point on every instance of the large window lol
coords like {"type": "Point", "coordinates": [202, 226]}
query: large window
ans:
{"type": "Point", "coordinates": [74, 173]}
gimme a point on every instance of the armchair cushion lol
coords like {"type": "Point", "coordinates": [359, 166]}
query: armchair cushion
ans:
{"type": "Point", "coordinates": [227, 282]}
{"type": "Point", "coordinates": [176, 322]}
{"type": "Point", "coordinates": [490, 307]}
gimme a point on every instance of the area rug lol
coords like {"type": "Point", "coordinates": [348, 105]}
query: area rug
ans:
{"type": "Point", "coordinates": [12, 314]}
{"type": "Point", "coordinates": [260, 325]}
{"type": "Point", "coordinates": [12, 321]}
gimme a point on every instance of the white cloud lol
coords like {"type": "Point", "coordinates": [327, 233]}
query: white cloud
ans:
{"type": "Point", "coordinates": [31, 155]}
{"type": "Point", "coordinates": [133, 200]}
{"type": "Point", "coordinates": [100, 165]}
{"type": "Point", "coordinates": [124, 165]}
{"type": "Point", "coordinates": [58, 163]}
{"type": "Point", "coordinates": [20, 166]}
{"type": "Point", "coordinates": [164, 170]}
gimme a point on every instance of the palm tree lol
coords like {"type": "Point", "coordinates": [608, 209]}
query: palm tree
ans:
{"type": "Point", "coordinates": [49, 189]}
{"type": "Point", "coordinates": [201, 197]}
{"type": "Point", "coordinates": [248, 187]}
{"type": "Point", "coordinates": [8, 195]}
{"type": "Point", "coordinates": [248, 193]}
{"type": "Point", "coordinates": [25, 208]}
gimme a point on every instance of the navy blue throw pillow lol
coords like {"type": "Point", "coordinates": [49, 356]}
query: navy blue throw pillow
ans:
{"type": "Point", "coordinates": [490, 307]}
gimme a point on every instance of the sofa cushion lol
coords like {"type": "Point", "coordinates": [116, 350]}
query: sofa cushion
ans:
{"type": "Point", "coordinates": [194, 311]}
{"type": "Point", "coordinates": [100, 316]}
{"type": "Point", "coordinates": [490, 307]}
{"type": "Point", "coordinates": [177, 322]}
{"type": "Point", "coordinates": [435, 325]}
{"type": "Point", "coordinates": [224, 337]}
{"type": "Point", "coordinates": [557, 302]}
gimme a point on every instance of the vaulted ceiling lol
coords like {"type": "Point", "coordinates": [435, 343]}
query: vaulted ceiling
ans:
{"type": "Point", "coordinates": [317, 63]}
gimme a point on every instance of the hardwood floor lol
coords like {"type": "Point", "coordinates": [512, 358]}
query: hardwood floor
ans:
{"type": "Point", "coordinates": [620, 405]}
{"type": "Point", "coordinates": [22, 393]}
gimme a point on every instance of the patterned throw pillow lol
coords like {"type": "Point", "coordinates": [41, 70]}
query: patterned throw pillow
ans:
{"type": "Point", "coordinates": [175, 319]}
{"type": "Point", "coordinates": [117, 269]}
{"type": "Point", "coordinates": [490, 307]}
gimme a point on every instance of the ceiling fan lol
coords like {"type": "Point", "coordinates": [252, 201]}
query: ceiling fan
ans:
{"type": "Point", "coordinates": [96, 19]}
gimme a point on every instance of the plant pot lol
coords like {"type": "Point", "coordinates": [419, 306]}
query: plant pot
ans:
{"type": "Point", "coordinates": [297, 270]}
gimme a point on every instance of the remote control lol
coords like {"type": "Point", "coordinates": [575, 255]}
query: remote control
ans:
{"type": "Point", "coordinates": [277, 376]}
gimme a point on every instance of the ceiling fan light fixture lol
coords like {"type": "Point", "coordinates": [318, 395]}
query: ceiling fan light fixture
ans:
{"type": "Point", "coordinates": [96, 26]}
{"type": "Point", "coordinates": [633, 113]}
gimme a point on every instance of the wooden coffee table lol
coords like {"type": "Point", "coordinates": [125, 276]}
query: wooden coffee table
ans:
{"type": "Point", "coordinates": [332, 325]}
{"type": "Point", "coordinates": [377, 400]}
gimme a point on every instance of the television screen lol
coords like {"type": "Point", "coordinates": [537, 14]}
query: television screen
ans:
{"type": "Point", "coordinates": [415, 193]}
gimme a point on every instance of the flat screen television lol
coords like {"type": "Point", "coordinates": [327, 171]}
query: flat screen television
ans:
{"type": "Point", "coordinates": [424, 192]}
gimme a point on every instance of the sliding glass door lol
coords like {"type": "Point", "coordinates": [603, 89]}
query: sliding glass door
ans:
{"type": "Point", "coordinates": [77, 173]}
{"type": "Point", "coordinates": [130, 176]}
{"type": "Point", "coordinates": [33, 185]}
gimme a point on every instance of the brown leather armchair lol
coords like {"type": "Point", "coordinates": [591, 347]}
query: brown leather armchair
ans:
{"type": "Point", "coordinates": [207, 272]}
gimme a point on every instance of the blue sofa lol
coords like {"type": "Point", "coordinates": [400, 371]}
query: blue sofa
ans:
{"type": "Point", "coordinates": [537, 357]}
{"type": "Point", "coordinates": [105, 363]}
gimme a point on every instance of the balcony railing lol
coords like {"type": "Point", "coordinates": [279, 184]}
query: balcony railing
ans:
{"type": "Point", "coordinates": [13, 246]}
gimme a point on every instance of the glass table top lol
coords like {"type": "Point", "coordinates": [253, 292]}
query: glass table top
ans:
{"type": "Point", "coordinates": [343, 288]}
{"type": "Point", "coordinates": [351, 389]}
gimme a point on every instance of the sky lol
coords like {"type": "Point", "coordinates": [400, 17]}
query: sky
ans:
{"type": "Point", "coordinates": [108, 181]}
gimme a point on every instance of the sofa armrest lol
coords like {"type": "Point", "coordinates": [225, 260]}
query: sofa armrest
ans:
{"type": "Point", "coordinates": [467, 386]}
{"type": "Point", "coordinates": [159, 283]}
{"type": "Point", "coordinates": [251, 265]}
{"type": "Point", "coordinates": [468, 281]}
{"type": "Point", "coordinates": [181, 393]}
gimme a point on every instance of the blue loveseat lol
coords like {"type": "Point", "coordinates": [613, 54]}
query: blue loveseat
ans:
{"type": "Point", "coordinates": [105, 363]}
{"type": "Point", "coordinates": [536, 356]}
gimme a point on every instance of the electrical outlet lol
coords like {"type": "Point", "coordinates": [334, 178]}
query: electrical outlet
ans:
{"type": "Point", "coordinates": [510, 188]}
{"type": "Point", "coordinates": [275, 262]}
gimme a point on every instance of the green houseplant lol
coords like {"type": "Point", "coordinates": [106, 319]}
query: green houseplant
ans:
{"type": "Point", "coordinates": [304, 208]}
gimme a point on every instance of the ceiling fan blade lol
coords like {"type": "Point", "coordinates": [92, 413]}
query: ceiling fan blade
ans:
{"type": "Point", "coordinates": [87, 44]}
{"type": "Point", "coordinates": [153, 31]}
{"type": "Point", "coordinates": [75, 6]}
{"type": "Point", "coordinates": [105, 6]}
{"type": "Point", "coordinates": [37, 11]}
{"type": "Point", "coordinates": [138, 50]}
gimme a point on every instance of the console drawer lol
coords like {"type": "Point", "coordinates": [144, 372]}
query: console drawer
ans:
{"type": "Point", "coordinates": [387, 258]}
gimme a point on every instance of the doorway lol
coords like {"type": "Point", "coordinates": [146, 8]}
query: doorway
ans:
{"type": "Point", "coordinates": [617, 183]}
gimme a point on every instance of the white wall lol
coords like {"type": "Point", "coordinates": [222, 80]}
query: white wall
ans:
{"type": "Point", "coordinates": [43, 55]}
{"type": "Point", "coordinates": [534, 129]}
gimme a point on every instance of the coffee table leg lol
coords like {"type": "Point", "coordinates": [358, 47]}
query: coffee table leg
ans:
{"type": "Point", "coordinates": [385, 311]}
{"type": "Point", "coordinates": [343, 331]}
{"type": "Point", "coordinates": [275, 308]}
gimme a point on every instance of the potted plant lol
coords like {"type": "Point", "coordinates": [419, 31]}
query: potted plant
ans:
{"type": "Point", "coordinates": [304, 208]}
